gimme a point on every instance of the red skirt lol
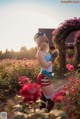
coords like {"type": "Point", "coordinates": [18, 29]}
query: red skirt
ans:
{"type": "Point", "coordinates": [46, 84]}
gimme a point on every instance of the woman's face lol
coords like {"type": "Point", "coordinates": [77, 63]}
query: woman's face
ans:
{"type": "Point", "coordinates": [44, 45]}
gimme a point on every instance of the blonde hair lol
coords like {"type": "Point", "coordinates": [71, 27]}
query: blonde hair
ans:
{"type": "Point", "coordinates": [41, 39]}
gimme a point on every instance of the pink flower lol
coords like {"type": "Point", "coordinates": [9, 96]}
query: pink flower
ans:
{"type": "Point", "coordinates": [23, 80]}
{"type": "Point", "coordinates": [30, 92]}
{"type": "Point", "coordinates": [75, 18]}
{"type": "Point", "coordinates": [59, 39]}
{"type": "Point", "coordinates": [24, 59]}
{"type": "Point", "coordinates": [70, 67]}
{"type": "Point", "coordinates": [77, 34]}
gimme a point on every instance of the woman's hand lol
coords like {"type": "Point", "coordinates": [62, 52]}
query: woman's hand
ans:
{"type": "Point", "coordinates": [42, 61]}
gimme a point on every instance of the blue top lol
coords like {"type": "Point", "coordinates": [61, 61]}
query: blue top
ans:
{"type": "Point", "coordinates": [47, 57]}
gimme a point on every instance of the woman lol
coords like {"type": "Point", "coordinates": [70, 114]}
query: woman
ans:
{"type": "Point", "coordinates": [45, 60]}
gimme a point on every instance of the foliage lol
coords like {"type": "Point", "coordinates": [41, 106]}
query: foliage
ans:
{"type": "Point", "coordinates": [69, 99]}
{"type": "Point", "coordinates": [65, 28]}
{"type": "Point", "coordinates": [20, 75]}
{"type": "Point", "coordinates": [24, 52]}
{"type": "Point", "coordinates": [70, 102]}
{"type": "Point", "coordinates": [77, 38]}
{"type": "Point", "coordinates": [77, 45]}
{"type": "Point", "coordinates": [59, 37]}
{"type": "Point", "coordinates": [29, 107]}
{"type": "Point", "coordinates": [11, 70]}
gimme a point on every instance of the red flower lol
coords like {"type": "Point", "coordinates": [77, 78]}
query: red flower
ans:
{"type": "Point", "coordinates": [23, 80]}
{"type": "Point", "coordinates": [72, 115]}
{"type": "Point", "coordinates": [65, 88]}
{"type": "Point", "coordinates": [66, 108]}
{"type": "Point", "coordinates": [30, 92]}
{"type": "Point", "coordinates": [26, 65]}
{"type": "Point", "coordinates": [59, 96]}
{"type": "Point", "coordinates": [24, 59]}
{"type": "Point", "coordinates": [71, 78]}
{"type": "Point", "coordinates": [70, 67]}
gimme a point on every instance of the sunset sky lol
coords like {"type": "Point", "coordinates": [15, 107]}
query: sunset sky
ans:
{"type": "Point", "coordinates": [20, 20]}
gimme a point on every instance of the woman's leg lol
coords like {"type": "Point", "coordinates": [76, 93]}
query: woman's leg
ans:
{"type": "Point", "coordinates": [50, 104]}
{"type": "Point", "coordinates": [43, 103]}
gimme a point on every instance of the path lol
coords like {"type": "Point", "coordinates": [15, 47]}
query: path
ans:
{"type": "Point", "coordinates": [59, 84]}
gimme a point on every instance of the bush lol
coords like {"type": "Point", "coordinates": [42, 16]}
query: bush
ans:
{"type": "Point", "coordinates": [69, 99]}
{"type": "Point", "coordinates": [11, 70]}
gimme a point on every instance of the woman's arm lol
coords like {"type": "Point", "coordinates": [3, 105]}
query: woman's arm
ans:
{"type": "Point", "coordinates": [42, 60]}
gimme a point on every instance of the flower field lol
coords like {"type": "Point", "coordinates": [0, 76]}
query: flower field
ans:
{"type": "Point", "coordinates": [11, 70]}
{"type": "Point", "coordinates": [20, 95]}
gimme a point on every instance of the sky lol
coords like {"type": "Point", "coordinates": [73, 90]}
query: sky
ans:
{"type": "Point", "coordinates": [21, 19]}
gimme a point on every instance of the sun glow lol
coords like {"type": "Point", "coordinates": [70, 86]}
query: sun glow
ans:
{"type": "Point", "coordinates": [18, 27]}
